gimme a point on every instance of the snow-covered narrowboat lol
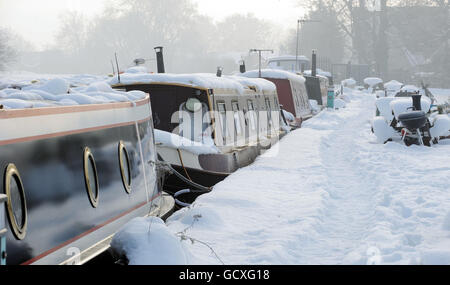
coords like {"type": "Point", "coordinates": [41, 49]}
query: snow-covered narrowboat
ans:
{"type": "Point", "coordinates": [76, 167]}
{"type": "Point", "coordinates": [291, 91]}
{"type": "Point", "coordinates": [206, 126]}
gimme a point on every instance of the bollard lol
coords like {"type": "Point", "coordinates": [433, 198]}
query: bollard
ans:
{"type": "Point", "coordinates": [3, 229]}
{"type": "Point", "coordinates": [330, 98]}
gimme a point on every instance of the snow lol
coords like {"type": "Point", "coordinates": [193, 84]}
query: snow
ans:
{"type": "Point", "coordinates": [288, 116]}
{"type": "Point", "coordinates": [442, 95]}
{"type": "Point", "coordinates": [339, 103]}
{"type": "Point", "coordinates": [137, 69]}
{"type": "Point", "coordinates": [160, 247]}
{"type": "Point", "coordinates": [275, 74]}
{"type": "Point", "coordinates": [319, 72]}
{"type": "Point", "coordinates": [373, 81]}
{"type": "Point", "coordinates": [261, 85]}
{"type": "Point", "coordinates": [350, 83]}
{"type": "Point", "coordinates": [326, 194]}
{"type": "Point", "coordinates": [198, 80]}
{"type": "Point", "coordinates": [57, 92]}
{"type": "Point", "coordinates": [410, 88]}
{"type": "Point", "coordinates": [401, 105]}
{"type": "Point", "coordinates": [175, 141]}
{"type": "Point", "coordinates": [54, 86]}
{"type": "Point", "coordinates": [393, 86]}
{"type": "Point", "coordinates": [441, 126]}
{"type": "Point", "coordinates": [314, 106]}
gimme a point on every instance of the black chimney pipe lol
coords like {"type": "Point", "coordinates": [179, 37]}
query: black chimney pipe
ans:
{"type": "Point", "coordinates": [219, 71]}
{"type": "Point", "coordinates": [242, 68]}
{"type": "Point", "coordinates": [160, 59]}
{"type": "Point", "coordinates": [314, 64]}
{"type": "Point", "coordinates": [417, 102]}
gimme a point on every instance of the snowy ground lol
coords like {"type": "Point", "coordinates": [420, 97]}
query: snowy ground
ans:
{"type": "Point", "coordinates": [328, 194]}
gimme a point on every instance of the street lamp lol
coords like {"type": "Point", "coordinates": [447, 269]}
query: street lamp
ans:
{"type": "Point", "coordinates": [259, 51]}
{"type": "Point", "coordinates": [301, 21]}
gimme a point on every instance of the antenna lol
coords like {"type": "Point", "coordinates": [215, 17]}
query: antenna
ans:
{"type": "Point", "coordinates": [112, 64]}
{"type": "Point", "coordinates": [117, 64]}
{"type": "Point", "coordinates": [259, 51]}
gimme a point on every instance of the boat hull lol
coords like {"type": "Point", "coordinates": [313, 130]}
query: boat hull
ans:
{"type": "Point", "coordinates": [63, 225]}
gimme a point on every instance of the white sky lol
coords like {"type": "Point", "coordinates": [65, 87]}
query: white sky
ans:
{"type": "Point", "coordinates": [37, 20]}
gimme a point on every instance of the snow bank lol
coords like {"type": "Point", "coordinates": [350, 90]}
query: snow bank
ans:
{"type": "Point", "coordinates": [382, 130]}
{"type": "Point", "coordinates": [326, 194]}
{"type": "Point", "coordinates": [314, 106]}
{"type": "Point", "coordinates": [175, 141]}
{"type": "Point", "coordinates": [147, 241]}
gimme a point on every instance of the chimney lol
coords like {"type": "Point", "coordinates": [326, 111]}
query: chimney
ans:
{"type": "Point", "coordinates": [417, 102]}
{"type": "Point", "coordinates": [219, 71]}
{"type": "Point", "coordinates": [314, 64]}
{"type": "Point", "coordinates": [242, 68]}
{"type": "Point", "coordinates": [160, 59]}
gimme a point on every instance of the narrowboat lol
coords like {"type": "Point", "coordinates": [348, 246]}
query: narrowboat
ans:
{"type": "Point", "coordinates": [291, 91]}
{"type": "Point", "coordinates": [207, 126]}
{"type": "Point", "coordinates": [75, 169]}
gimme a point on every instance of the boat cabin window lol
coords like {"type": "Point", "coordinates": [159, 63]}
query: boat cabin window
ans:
{"type": "Point", "coordinates": [125, 169]}
{"type": "Point", "coordinates": [269, 112]}
{"type": "Point", "coordinates": [221, 108]}
{"type": "Point", "coordinates": [90, 177]}
{"type": "Point", "coordinates": [16, 203]}
{"type": "Point", "coordinates": [251, 114]}
{"type": "Point", "coordinates": [237, 119]}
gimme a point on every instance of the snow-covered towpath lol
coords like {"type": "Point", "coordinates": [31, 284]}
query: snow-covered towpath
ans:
{"type": "Point", "coordinates": [327, 194]}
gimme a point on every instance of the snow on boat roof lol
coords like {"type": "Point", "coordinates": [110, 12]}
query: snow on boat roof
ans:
{"type": "Point", "coordinates": [410, 88]}
{"type": "Point", "coordinates": [393, 85]}
{"type": "Point", "coordinates": [57, 92]}
{"type": "Point", "coordinates": [319, 72]}
{"type": "Point", "coordinates": [372, 81]}
{"type": "Point", "coordinates": [287, 57]}
{"type": "Point", "coordinates": [21, 79]}
{"type": "Point", "coordinates": [261, 84]}
{"type": "Point", "coordinates": [275, 74]}
{"type": "Point", "coordinates": [196, 80]}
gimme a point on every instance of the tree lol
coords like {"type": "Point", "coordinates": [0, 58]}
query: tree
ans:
{"type": "Point", "coordinates": [7, 53]}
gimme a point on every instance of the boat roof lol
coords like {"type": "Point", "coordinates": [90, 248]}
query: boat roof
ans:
{"type": "Point", "coordinates": [224, 84]}
{"type": "Point", "coordinates": [59, 92]}
{"type": "Point", "coordinates": [319, 72]}
{"type": "Point", "coordinates": [288, 58]}
{"type": "Point", "coordinates": [274, 74]}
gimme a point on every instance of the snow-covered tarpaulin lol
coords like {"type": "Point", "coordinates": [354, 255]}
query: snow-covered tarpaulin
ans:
{"type": "Point", "coordinates": [328, 194]}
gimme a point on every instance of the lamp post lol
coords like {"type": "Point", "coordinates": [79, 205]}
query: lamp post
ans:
{"type": "Point", "coordinates": [259, 51]}
{"type": "Point", "coordinates": [301, 21]}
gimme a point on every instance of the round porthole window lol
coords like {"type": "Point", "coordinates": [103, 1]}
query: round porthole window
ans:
{"type": "Point", "coordinates": [16, 204]}
{"type": "Point", "coordinates": [90, 177]}
{"type": "Point", "coordinates": [125, 169]}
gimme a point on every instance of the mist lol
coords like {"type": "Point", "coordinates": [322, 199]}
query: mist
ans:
{"type": "Point", "coordinates": [391, 39]}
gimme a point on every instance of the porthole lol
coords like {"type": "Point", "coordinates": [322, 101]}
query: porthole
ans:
{"type": "Point", "coordinates": [16, 204]}
{"type": "Point", "coordinates": [90, 177]}
{"type": "Point", "coordinates": [125, 169]}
